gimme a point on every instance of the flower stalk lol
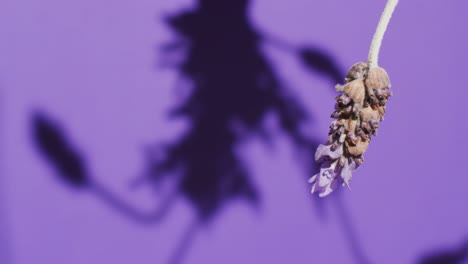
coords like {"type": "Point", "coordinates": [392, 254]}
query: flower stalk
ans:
{"type": "Point", "coordinates": [376, 43]}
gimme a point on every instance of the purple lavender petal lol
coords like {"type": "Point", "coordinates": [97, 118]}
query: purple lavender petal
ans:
{"type": "Point", "coordinates": [347, 171]}
{"type": "Point", "coordinates": [326, 180]}
{"type": "Point", "coordinates": [325, 150]}
{"type": "Point", "coordinates": [329, 188]}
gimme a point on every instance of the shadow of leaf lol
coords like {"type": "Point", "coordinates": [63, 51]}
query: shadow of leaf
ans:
{"type": "Point", "coordinates": [51, 140]}
{"type": "Point", "coordinates": [447, 256]}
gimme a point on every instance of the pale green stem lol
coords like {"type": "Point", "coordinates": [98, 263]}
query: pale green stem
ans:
{"type": "Point", "coordinates": [379, 33]}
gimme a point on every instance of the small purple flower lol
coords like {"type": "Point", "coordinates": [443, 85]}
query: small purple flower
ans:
{"type": "Point", "coordinates": [328, 151]}
{"type": "Point", "coordinates": [327, 179]}
{"type": "Point", "coordinates": [331, 174]}
{"type": "Point", "coordinates": [347, 171]}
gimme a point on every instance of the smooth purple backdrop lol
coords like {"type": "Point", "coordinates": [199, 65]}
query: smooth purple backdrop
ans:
{"type": "Point", "coordinates": [90, 63]}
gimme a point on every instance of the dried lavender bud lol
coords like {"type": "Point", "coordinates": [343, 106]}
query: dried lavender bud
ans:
{"type": "Point", "coordinates": [377, 79]}
{"type": "Point", "coordinates": [350, 125]}
{"type": "Point", "coordinates": [359, 148]}
{"type": "Point", "coordinates": [358, 112]}
{"type": "Point", "coordinates": [355, 90]}
{"type": "Point", "coordinates": [368, 113]}
{"type": "Point", "coordinates": [357, 71]}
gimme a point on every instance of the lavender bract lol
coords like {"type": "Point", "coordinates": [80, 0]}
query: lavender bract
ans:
{"type": "Point", "coordinates": [358, 111]}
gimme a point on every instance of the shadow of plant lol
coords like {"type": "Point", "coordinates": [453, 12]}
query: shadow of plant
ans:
{"type": "Point", "coordinates": [231, 88]}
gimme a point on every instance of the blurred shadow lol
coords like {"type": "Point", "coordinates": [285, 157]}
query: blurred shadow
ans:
{"type": "Point", "coordinates": [52, 142]}
{"type": "Point", "coordinates": [351, 236]}
{"type": "Point", "coordinates": [180, 252]}
{"type": "Point", "coordinates": [5, 239]}
{"type": "Point", "coordinates": [231, 88]}
{"type": "Point", "coordinates": [5, 236]}
{"type": "Point", "coordinates": [447, 256]}
{"type": "Point", "coordinates": [314, 59]}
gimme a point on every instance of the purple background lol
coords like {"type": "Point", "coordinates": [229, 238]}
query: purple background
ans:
{"type": "Point", "coordinates": [91, 64]}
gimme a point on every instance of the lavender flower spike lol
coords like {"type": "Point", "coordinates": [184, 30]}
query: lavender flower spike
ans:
{"type": "Point", "coordinates": [358, 111]}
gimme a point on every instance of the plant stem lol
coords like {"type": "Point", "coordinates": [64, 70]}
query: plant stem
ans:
{"type": "Point", "coordinates": [379, 33]}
